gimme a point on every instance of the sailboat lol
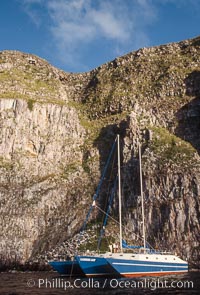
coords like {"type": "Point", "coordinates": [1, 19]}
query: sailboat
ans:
{"type": "Point", "coordinates": [146, 262]}
{"type": "Point", "coordinates": [122, 264]}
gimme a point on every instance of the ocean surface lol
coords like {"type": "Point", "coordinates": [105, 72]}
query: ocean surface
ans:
{"type": "Point", "coordinates": [35, 283]}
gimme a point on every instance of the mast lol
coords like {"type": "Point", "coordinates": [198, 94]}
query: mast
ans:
{"type": "Point", "coordinates": [142, 198]}
{"type": "Point", "coordinates": [120, 198]}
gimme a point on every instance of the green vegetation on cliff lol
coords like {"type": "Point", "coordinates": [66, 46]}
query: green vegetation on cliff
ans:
{"type": "Point", "coordinates": [170, 148]}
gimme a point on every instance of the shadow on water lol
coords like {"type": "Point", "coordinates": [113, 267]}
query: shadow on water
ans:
{"type": "Point", "coordinates": [188, 116]}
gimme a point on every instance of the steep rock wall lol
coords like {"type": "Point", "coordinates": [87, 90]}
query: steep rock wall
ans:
{"type": "Point", "coordinates": [171, 175]}
{"type": "Point", "coordinates": [43, 183]}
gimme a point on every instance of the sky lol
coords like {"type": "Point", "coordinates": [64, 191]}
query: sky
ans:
{"type": "Point", "coordinates": [80, 35]}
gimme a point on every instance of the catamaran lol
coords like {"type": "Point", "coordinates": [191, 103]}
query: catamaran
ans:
{"type": "Point", "coordinates": [145, 262]}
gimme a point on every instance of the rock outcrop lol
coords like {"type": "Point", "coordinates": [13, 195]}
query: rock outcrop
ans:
{"type": "Point", "coordinates": [56, 131]}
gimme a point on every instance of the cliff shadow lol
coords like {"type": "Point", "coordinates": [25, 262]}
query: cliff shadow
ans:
{"type": "Point", "coordinates": [188, 116]}
{"type": "Point", "coordinates": [104, 143]}
{"type": "Point", "coordinates": [130, 181]}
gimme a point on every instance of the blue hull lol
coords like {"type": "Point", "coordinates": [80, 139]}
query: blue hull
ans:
{"type": "Point", "coordinates": [68, 268]}
{"type": "Point", "coordinates": [96, 266]}
{"type": "Point", "coordinates": [133, 268]}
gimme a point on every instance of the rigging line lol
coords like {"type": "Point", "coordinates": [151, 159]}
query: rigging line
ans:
{"type": "Point", "coordinates": [109, 190]}
{"type": "Point", "coordinates": [72, 268]}
{"type": "Point", "coordinates": [102, 231]}
{"type": "Point", "coordinates": [110, 179]}
{"type": "Point", "coordinates": [99, 186]}
{"type": "Point", "coordinates": [122, 225]}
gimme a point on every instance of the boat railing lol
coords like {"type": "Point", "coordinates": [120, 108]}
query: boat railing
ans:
{"type": "Point", "coordinates": [147, 251]}
{"type": "Point", "coordinates": [153, 251]}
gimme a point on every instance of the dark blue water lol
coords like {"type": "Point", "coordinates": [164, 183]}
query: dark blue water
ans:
{"type": "Point", "coordinates": [50, 283]}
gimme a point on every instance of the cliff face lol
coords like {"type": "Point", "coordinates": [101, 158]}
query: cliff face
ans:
{"type": "Point", "coordinates": [56, 129]}
{"type": "Point", "coordinates": [43, 184]}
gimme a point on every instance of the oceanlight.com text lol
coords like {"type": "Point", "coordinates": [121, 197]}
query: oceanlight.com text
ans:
{"type": "Point", "coordinates": [151, 284]}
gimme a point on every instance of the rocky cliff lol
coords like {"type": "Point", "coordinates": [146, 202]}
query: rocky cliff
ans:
{"type": "Point", "coordinates": [56, 132]}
